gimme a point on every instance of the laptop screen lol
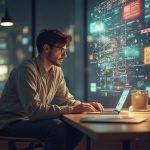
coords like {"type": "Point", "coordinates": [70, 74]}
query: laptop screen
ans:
{"type": "Point", "coordinates": [122, 99]}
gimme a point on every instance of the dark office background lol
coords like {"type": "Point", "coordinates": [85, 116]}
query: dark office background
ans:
{"type": "Point", "coordinates": [29, 18]}
{"type": "Point", "coordinates": [75, 17]}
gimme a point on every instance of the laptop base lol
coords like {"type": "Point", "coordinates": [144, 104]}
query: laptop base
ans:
{"type": "Point", "coordinates": [105, 112]}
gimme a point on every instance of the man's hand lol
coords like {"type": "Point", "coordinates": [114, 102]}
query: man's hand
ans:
{"type": "Point", "coordinates": [97, 106]}
{"type": "Point", "coordinates": [87, 107]}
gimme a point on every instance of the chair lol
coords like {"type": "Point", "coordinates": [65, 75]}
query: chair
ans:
{"type": "Point", "coordinates": [33, 143]}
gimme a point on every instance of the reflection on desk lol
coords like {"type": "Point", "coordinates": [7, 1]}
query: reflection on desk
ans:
{"type": "Point", "coordinates": [112, 120]}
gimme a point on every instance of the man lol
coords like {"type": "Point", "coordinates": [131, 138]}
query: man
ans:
{"type": "Point", "coordinates": [36, 95]}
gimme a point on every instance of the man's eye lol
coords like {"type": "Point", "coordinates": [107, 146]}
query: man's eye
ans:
{"type": "Point", "coordinates": [63, 50]}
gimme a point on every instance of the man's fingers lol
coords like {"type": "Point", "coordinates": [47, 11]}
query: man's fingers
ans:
{"type": "Point", "coordinates": [98, 106]}
{"type": "Point", "coordinates": [88, 107]}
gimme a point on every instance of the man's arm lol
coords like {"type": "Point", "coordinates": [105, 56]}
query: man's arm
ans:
{"type": "Point", "coordinates": [35, 107]}
{"type": "Point", "coordinates": [67, 100]}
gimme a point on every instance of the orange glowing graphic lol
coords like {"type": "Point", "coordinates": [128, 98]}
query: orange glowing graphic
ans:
{"type": "Point", "coordinates": [131, 10]}
{"type": "Point", "coordinates": [146, 55]}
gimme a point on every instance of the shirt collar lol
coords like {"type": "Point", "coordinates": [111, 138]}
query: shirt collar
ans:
{"type": "Point", "coordinates": [41, 68]}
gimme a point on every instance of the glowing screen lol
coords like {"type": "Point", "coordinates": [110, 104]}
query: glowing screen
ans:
{"type": "Point", "coordinates": [118, 43]}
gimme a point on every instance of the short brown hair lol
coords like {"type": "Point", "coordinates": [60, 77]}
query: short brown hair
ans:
{"type": "Point", "coordinates": [52, 37]}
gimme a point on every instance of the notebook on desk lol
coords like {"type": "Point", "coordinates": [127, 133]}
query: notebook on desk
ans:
{"type": "Point", "coordinates": [119, 105]}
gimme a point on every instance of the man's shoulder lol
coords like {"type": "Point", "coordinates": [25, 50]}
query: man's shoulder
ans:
{"type": "Point", "coordinates": [57, 69]}
{"type": "Point", "coordinates": [28, 63]}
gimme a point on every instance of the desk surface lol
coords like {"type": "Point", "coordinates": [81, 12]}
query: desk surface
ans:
{"type": "Point", "coordinates": [112, 131]}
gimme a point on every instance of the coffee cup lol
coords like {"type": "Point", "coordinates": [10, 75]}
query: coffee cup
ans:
{"type": "Point", "coordinates": [139, 99]}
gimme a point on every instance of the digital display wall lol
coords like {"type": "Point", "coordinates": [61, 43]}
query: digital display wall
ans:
{"type": "Point", "coordinates": [118, 43]}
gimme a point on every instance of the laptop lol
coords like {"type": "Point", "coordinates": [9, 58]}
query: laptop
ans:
{"type": "Point", "coordinates": [119, 105]}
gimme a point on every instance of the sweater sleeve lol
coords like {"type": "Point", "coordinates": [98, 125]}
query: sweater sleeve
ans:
{"type": "Point", "coordinates": [65, 98]}
{"type": "Point", "coordinates": [26, 86]}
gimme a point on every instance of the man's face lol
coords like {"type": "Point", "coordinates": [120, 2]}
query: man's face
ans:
{"type": "Point", "coordinates": [56, 54]}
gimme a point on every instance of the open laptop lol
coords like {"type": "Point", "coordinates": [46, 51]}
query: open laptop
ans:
{"type": "Point", "coordinates": [119, 105]}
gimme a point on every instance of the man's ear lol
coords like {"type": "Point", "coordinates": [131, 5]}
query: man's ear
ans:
{"type": "Point", "coordinates": [46, 48]}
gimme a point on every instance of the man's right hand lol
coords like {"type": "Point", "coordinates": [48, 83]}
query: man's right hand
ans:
{"type": "Point", "coordinates": [83, 107]}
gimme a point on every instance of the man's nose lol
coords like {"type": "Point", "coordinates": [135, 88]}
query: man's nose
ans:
{"type": "Point", "coordinates": [64, 54]}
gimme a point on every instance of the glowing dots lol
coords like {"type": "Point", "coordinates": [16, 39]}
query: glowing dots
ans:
{"type": "Point", "coordinates": [3, 44]}
{"type": "Point", "coordinates": [91, 57]}
{"type": "Point", "coordinates": [93, 87]}
{"type": "Point", "coordinates": [96, 27]}
{"type": "Point", "coordinates": [118, 45]}
{"type": "Point", "coordinates": [140, 84]}
{"type": "Point", "coordinates": [4, 69]}
{"type": "Point", "coordinates": [136, 69]}
{"type": "Point", "coordinates": [131, 52]}
{"type": "Point", "coordinates": [110, 86]}
{"type": "Point", "coordinates": [90, 38]}
{"type": "Point", "coordinates": [101, 26]}
{"type": "Point", "coordinates": [25, 40]}
{"type": "Point", "coordinates": [25, 30]}
{"type": "Point", "coordinates": [146, 77]}
{"type": "Point", "coordinates": [104, 39]}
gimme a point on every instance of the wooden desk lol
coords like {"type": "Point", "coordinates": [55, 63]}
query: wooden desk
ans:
{"type": "Point", "coordinates": [112, 131]}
